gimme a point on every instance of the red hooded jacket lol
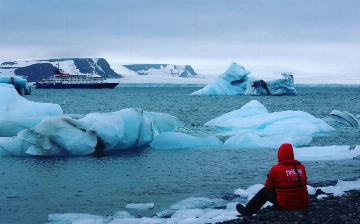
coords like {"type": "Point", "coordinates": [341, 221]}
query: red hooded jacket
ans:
{"type": "Point", "coordinates": [291, 193]}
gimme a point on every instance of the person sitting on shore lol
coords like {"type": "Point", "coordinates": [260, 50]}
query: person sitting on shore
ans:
{"type": "Point", "coordinates": [285, 186]}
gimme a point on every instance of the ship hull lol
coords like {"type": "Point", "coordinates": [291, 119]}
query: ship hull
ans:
{"type": "Point", "coordinates": [75, 86]}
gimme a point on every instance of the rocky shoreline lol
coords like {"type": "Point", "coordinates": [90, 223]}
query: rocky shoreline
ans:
{"type": "Point", "coordinates": [329, 209]}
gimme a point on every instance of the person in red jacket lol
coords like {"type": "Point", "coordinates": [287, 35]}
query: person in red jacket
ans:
{"type": "Point", "coordinates": [285, 186]}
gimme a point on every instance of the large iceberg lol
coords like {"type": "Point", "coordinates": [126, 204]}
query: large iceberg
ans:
{"type": "Point", "coordinates": [31, 128]}
{"type": "Point", "coordinates": [235, 81]}
{"type": "Point", "coordinates": [254, 117]}
{"type": "Point", "coordinates": [63, 135]}
{"type": "Point", "coordinates": [129, 127]}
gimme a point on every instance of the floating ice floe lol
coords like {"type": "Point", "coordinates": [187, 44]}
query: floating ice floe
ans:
{"type": "Point", "coordinates": [254, 117]}
{"type": "Point", "coordinates": [251, 140]}
{"type": "Point", "coordinates": [338, 118]}
{"type": "Point", "coordinates": [199, 203]}
{"type": "Point", "coordinates": [341, 186]}
{"type": "Point", "coordinates": [140, 206]}
{"type": "Point", "coordinates": [334, 152]}
{"type": "Point", "coordinates": [178, 140]}
{"type": "Point", "coordinates": [252, 126]}
{"type": "Point", "coordinates": [196, 210]}
{"type": "Point", "coordinates": [235, 81]}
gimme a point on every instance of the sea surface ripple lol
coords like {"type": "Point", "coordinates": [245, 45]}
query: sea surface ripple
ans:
{"type": "Point", "coordinates": [33, 187]}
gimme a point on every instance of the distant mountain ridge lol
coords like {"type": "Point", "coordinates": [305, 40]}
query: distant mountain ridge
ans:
{"type": "Point", "coordinates": [38, 69]}
{"type": "Point", "coordinates": [184, 71]}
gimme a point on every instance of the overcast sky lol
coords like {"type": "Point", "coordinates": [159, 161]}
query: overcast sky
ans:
{"type": "Point", "coordinates": [311, 36]}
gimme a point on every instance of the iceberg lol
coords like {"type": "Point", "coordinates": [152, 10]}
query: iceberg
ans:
{"type": "Point", "coordinates": [18, 113]}
{"type": "Point", "coordinates": [19, 84]}
{"type": "Point", "coordinates": [338, 118]}
{"type": "Point", "coordinates": [14, 106]}
{"type": "Point", "coordinates": [57, 136]}
{"type": "Point", "coordinates": [60, 136]}
{"type": "Point", "coordinates": [29, 128]}
{"type": "Point", "coordinates": [235, 81]}
{"type": "Point", "coordinates": [129, 127]}
{"type": "Point", "coordinates": [279, 87]}
{"type": "Point", "coordinates": [253, 117]}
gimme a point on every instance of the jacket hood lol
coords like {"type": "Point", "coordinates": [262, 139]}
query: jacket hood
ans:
{"type": "Point", "coordinates": [286, 154]}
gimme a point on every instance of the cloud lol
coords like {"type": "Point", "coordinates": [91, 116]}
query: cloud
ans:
{"type": "Point", "coordinates": [304, 34]}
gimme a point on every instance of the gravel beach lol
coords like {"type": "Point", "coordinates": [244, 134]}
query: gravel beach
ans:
{"type": "Point", "coordinates": [329, 209]}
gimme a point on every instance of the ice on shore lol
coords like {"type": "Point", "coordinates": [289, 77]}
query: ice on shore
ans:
{"type": "Point", "coordinates": [198, 210]}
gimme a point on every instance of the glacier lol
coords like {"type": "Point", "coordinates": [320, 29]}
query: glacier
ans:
{"type": "Point", "coordinates": [235, 81]}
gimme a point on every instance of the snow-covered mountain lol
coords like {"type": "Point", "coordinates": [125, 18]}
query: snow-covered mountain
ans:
{"type": "Point", "coordinates": [184, 71]}
{"type": "Point", "coordinates": [162, 74]}
{"type": "Point", "coordinates": [35, 70]}
{"type": "Point", "coordinates": [148, 74]}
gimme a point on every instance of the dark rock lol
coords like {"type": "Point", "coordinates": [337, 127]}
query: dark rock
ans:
{"type": "Point", "coordinates": [343, 209]}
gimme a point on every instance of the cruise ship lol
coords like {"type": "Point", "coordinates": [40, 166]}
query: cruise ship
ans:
{"type": "Point", "coordinates": [61, 80]}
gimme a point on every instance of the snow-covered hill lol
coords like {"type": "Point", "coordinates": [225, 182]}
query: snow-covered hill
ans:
{"type": "Point", "coordinates": [185, 71]}
{"type": "Point", "coordinates": [35, 70]}
{"type": "Point", "coordinates": [160, 73]}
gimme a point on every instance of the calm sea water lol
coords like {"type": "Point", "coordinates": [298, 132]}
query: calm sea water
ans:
{"type": "Point", "coordinates": [31, 188]}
